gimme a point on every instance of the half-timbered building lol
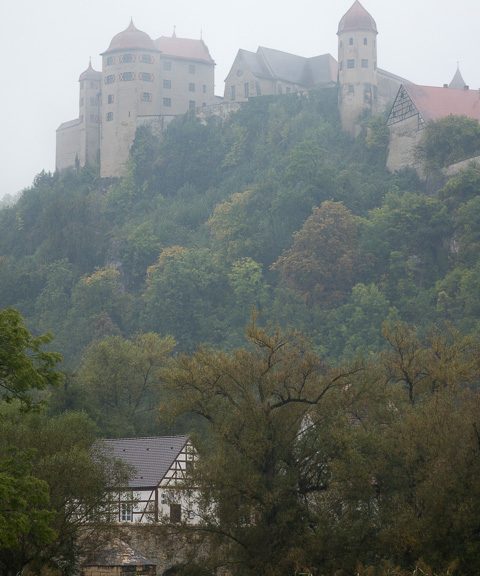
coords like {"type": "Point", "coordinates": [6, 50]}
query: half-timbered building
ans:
{"type": "Point", "coordinates": [159, 488]}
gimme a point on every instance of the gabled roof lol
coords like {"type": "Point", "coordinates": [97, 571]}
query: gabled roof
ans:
{"type": "Point", "coordinates": [434, 103]}
{"type": "Point", "coordinates": [151, 457]}
{"type": "Point", "coordinates": [184, 48]}
{"type": "Point", "coordinates": [277, 65]}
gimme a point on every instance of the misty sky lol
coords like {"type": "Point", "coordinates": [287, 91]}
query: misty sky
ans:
{"type": "Point", "coordinates": [46, 45]}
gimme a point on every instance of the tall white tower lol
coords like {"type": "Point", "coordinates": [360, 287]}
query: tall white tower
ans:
{"type": "Point", "coordinates": [357, 66]}
{"type": "Point", "coordinates": [89, 116]}
{"type": "Point", "coordinates": [130, 91]}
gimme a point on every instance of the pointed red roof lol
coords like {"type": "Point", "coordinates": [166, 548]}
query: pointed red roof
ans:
{"type": "Point", "coordinates": [90, 74]}
{"type": "Point", "coordinates": [357, 18]}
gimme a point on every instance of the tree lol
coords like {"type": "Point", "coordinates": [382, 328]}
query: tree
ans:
{"type": "Point", "coordinates": [274, 416]}
{"type": "Point", "coordinates": [24, 366]}
{"type": "Point", "coordinates": [321, 263]}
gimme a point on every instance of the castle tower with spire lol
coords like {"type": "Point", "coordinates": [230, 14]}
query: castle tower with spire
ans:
{"type": "Point", "coordinates": [357, 66]}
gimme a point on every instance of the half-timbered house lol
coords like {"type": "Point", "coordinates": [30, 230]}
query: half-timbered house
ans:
{"type": "Point", "coordinates": [158, 489]}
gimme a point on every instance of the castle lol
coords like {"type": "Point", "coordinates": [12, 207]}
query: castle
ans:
{"type": "Point", "coordinates": [146, 81]}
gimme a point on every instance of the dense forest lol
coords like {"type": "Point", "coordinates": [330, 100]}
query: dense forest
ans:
{"type": "Point", "coordinates": [360, 438]}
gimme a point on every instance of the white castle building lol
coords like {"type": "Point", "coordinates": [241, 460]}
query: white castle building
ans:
{"type": "Point", "coordinates": [142, 81]}
{"type": "Point", "coordinates": [147, 81]}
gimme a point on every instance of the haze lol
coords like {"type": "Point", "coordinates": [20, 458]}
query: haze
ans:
{"type": "Point", "coordinates": [46, 45]}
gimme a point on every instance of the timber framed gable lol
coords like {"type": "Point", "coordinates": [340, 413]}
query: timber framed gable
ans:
{"type": "Point", "coordinates": [404, 108]}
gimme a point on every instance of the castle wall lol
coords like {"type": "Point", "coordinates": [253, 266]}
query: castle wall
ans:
{"type": "Point", "coordinates": [185, 85]}
{"type": "Point", "coordinates": [404, 139]}
{"type": "Point", "coordinates": [68, 144]}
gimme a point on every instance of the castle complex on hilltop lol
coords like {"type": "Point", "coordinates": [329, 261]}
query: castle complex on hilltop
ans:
{"type": "Point", "coordinates": [146, 81]}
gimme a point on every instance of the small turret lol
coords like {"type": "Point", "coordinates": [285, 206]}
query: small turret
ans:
{"type": "Point", "coordinates": [357, 63]}
{"type": "Point", "coordinates": [457, 81]}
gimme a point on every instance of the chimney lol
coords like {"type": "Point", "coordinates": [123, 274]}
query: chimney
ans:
{"type": "Point", "coordinates": [466, 87]}
{"type": "Point", "coordinates": [445, 85]}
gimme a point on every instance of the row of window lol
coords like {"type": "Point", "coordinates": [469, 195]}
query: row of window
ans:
{"type": "Point", "coordinates": [129, 57]}
{"type": "Point", "coordinates": [130, 76]}
{"type": "Point", "coordinates": [93, 101]}
{"type": "Point", "coordinates": [351, 64]}
{"type": "Point", "coordinates": [351, 42]}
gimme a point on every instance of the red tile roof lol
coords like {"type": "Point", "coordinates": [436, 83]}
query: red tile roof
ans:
{"type": "Point", "coordinates": [131, 39]}
{"type": "Point", "coordinates": [357, 18]}
{"type": "Point", "coordinates": [434, 103]}
{"type": "Point", "coordinates": [184, 48]}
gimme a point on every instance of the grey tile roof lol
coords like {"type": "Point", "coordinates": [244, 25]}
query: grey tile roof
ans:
{"type": "Point", "coordinates": [150, 457]}
{"type": "Point", "coordinates": [322, 70]}
{"type": "Point", "coordinates": [284, 66]}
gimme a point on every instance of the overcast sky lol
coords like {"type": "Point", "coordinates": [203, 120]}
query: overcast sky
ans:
{"type": "Point", "coordinates": [47, 44]}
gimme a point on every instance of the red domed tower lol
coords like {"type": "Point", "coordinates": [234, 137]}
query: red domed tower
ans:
{"type": "Point", "coordinates": [357, 65]}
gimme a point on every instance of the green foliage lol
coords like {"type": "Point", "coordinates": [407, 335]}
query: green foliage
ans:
{"type": "Point", "coordinates": [24, 366]}
{"type": "Point", "coordinates": [450, 140]}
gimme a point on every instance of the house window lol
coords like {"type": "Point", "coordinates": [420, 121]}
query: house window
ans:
{"type": "Point", "coordinates": [126, 512]}
{"type": "Point", "coordinates": [146, 59]}
{"type": "Point", "coordinates": [191, 68]}
{"type": "Point", "coordinates": [350, 41]}
{"type": "Point", "coordinates": [110, 79]}
{"type": "Point", "coordinates": [191, 105]}
{"type": "Point", "coordinates": [167, 84]}
{"type": "Point", "coordinates": [126, 58]}
{"type": "Point", "coordinates": [350, 64]}
{"type": "Point", "coordinates": [167, 65]}
{"type": "Point", "coordinates": [167, 102]}
{"type": "Point", "coordinates": [146, 97]}
{"type": "Point", "coordinates": [246, 89]}
{"type": "Point", "coordinates": [126, 76]}
{"type": "Point", "coordinates": [233, 95]}
{"type": "Point", "coordinates": [109, 116]}
{"type": "Point", "coordinates": [364, 63]}
{"type": "Point", "coordinates": [191, 87]}
{"type": "Point", "coordinates": [175, 513]}
{"type": "Point", "coordinates": [110, 60]}
{"type": "Point", "coordinates": [145, 76]}
{"type": "Point", "coordinates": [110, 99]}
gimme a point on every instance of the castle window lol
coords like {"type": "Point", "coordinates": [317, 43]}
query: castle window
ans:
{"type": "Point", "coordinates": [167, 102]}
{"type": "Point", "coordinates": [167, 65]}
{"type": "Point", "coordinates": [204, 88]}
{"type": "Point", "coordinates": [233, 94]}
{"type": "Point", "coordinates": [110, 99]}
{"type": "Point", "coordinates": [110, 79]}
{"type": "Point", "coordinates": [126, 76]}
{"type": "Point", "coordinates": [126, 58]}
{"type": "Point", "coordinates": [364, 63]}
{"type": "Point", "coordinates": [109, 116]}
{"type": "Point", "coordinates": [110, 60]}
{"type": "Point", "coordinates": [167, 84]}
{"type": "Point", "coordinates": [351, 89]}
{"type": "Point", "coordinates": [191, 105]}
{"type": "Point", "coordinates": [191, 87]}
{"type": "Point", "coordinates": [246, 90]}
{"type": "Point", "coordinates": [146, 97]}
{"type": "Point", "coordinates": [145, 76]}
{"type": "Point", "coordinates": [365, 41]}
{"type": "Point", "coordinates": [146, 59]}
{"type": "Point", "coordinates": [350, 64]}
{"type": "Point", "coordinates": [350, 41]}
{"type": "Point", "coordinates": [191, 68]}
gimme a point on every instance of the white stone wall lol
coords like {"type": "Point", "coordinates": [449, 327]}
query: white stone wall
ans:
{"type": "Point", "coordinates": [67, 145]}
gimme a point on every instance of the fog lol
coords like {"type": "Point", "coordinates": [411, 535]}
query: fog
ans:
{"type": "Point", "coordinates": [46, 45]}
